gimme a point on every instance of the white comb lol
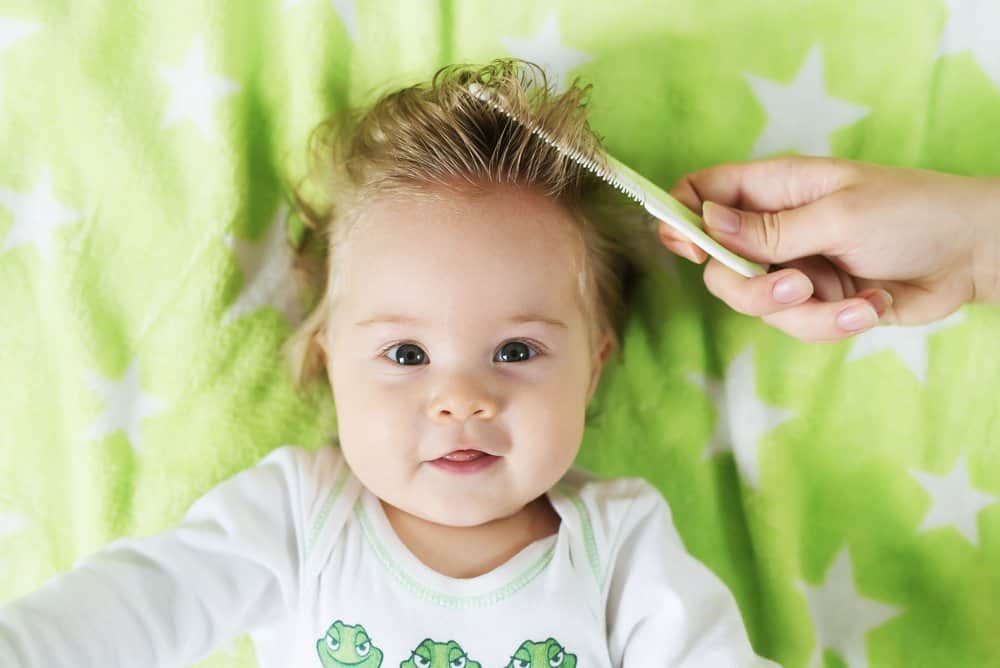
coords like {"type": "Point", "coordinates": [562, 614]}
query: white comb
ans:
{"type": "Point", "coordinates": [658, 202]}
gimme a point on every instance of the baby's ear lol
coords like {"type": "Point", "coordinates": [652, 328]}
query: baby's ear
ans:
{"type": "Point", "coordinates": [608, 345]}
{"type": "Point", "coordinates": [319, 338]}
{"type": "Point", "coordinates": [602, 353]}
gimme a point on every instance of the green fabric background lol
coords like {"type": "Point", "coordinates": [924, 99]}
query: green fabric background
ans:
{"type": "Point", "coordinates": [157, 309]}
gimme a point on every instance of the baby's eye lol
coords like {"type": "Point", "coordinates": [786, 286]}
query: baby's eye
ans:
{"type": "Point", "coordinates": [515, 351]}
{"type": "Point", "coordinates": [332, 643]}
{"type": "Point", "coordinates": [420, 661]}
{"type": "Point", "coordinates": [520, 663]}
{"type": "Point", "coordinates": [458, 663]}
{"type": "Point", "coordinates": [556, 660]}
{"type": "Point", "coordinates": [407, 354]}
{"type": "Point", "coordinates": [363, 648]}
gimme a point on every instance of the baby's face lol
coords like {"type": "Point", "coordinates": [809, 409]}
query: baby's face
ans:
{"type": "Point", "coordinates": [458, 352]}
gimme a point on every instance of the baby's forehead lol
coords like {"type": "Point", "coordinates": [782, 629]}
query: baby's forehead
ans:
{"type": "Point", "coordinates": [440, 218]}
{"type": "Point", "coordinates": [503, 243]}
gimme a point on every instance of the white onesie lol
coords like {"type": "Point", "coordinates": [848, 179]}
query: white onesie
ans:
{"type": "Point", "coordinates": [295, 552]}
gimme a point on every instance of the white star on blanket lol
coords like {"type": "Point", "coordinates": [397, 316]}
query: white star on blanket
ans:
{"type": "Point", "coordinates": [9, 525]}
{"type": "Point", "coordinates": [267, 274]}
{"type": "Point", "coordinates": [800, 115]}
{"type": "Point", "coordinates": [12, 31]}
{"type": "Point", "coordinates": [973, 25]}
{"type": "Point", "coordinates": [346, 10]}
{"type": "Point", "coordinates": [194, 91]}
{"type": "Point", "coordinates": [349, 16]}
{"type": "Point", "coordinates": [909, 343]}
{"type": "Point", "coordinates": [546, 49]}
{"type": "Point", "coordinates": [742, 417]}
{"type": "Point", "coordinates": [125, 405]}
{"type": "Point", "coordinates": [36, 216]}
{"type": "Point", "coordinates": [953, 501]}
{"type": "Point", "coordinates": [841, 617]}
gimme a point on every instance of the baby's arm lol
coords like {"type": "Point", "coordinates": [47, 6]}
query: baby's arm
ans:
{"type": "Point", "coordinates": [664, 607]}
{"type": "Point", "coordinates": [232, 565]}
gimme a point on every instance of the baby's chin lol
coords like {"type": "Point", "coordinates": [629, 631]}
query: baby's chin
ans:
{"type": "Point", "coordinates": [460, 513]}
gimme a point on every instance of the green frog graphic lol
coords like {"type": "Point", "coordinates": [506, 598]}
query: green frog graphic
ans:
{"type": "Point", "coordinates": [430, 654]}
{"type": "Point", "coordinates": [548, 654]}
{"type": "Point", "coordinates": [344, 646]}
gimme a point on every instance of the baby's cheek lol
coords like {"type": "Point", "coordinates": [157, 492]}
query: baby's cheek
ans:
{"type": "Point", "coordinates": [369, 415]}
{"type": "Point", "coordinates": [553, 420]}
{"type": "Point", "coordinates": [384, 415]}
{"type": "Point", "coordinates": [566, 388]}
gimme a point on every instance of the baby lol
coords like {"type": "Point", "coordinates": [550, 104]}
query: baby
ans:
{"type": "Point", "coordinates": [470, 301]}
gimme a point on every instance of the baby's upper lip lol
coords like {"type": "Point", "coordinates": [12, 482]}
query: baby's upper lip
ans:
{"type": "Point", "coordinates": [469, 447]}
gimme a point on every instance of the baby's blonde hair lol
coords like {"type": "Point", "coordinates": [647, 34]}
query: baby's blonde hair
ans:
{"type": "Point", "coordinates": [437, 134]}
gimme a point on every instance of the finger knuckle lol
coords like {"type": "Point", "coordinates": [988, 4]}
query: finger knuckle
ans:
{"type": "Point", "coordinates": [769, 231]}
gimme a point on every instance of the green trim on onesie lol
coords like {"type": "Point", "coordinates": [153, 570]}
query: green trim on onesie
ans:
{"type": "Point", "coordinates": [588, 532]}
{"type": "Point", "coordinates": [324, 512]}
{"type": "Point", "coordinates": [446, 600]}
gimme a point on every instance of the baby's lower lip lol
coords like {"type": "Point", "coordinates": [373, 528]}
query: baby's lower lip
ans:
{"type": "Point", "coordinates": [465, 461]}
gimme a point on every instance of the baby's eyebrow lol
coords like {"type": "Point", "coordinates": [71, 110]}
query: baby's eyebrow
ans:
{"type": "Point", "coordinates": [520, 319]}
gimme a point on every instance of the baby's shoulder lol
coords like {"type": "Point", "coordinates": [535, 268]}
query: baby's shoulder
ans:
{"type": "Point", "coordinates": [315, 476]}
{"type": "Point", "coordinates": [602, 511]}
{"type": "Point", "coordinates": [296, 461]}
{"type": "Point", "coordinates": [327, 492]}
{"type": "Point", "coordinates": [606, 496]}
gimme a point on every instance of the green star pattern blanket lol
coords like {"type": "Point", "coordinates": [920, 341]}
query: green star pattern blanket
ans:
{"type": "Point", "coordinates": [848, 493]}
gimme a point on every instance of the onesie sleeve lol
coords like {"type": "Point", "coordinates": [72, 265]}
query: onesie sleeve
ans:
{"type": "Point", "coordinates": [232, 565]}
{"type": "Point", "coordinates": [664, 607]}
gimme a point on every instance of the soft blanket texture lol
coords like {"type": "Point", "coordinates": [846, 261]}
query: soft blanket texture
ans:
{"type": "Point", "coordinates": [848, 493]}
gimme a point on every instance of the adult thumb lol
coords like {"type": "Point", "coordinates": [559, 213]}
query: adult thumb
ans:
{"type": "Point", "coordinates": [771, 236]}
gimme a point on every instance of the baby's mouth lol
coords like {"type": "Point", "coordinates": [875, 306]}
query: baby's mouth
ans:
{"type": "Point", "coordinates": [465, 461]}
{"type": "Point", "coordinates": [464, 455]}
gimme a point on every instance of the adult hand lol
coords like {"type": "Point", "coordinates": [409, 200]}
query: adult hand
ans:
{"type": "Point", "coordinates": [850, 244]}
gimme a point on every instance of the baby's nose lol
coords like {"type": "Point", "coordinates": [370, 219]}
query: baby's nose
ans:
{"type": "Point", "coordinates": [461, 401]}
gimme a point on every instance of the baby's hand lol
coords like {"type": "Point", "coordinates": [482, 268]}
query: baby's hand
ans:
{"type": "Point", "coordinates": [857, 244]}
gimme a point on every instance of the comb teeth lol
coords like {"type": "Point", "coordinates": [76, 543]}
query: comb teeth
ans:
{"type": "Point", "coordinates": [482, 93]}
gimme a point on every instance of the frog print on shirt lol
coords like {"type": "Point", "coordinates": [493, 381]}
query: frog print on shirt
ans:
{"type": "Point", "coordinates": [430, 654]}
{"type": "Point", "coordinates": [344, 646]}
{"type": "Point", "coordinates": [548, 654]}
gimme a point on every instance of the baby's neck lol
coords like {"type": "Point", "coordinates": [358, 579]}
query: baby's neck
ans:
{"type": "Point", "coordinates": [468, 552]}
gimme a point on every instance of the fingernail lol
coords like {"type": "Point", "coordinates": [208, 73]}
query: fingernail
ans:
{"type": "Point", "coordinates": [721, 218]}
{"type": "Point", "coordinates": [858, 317]}
{"type": "Point", "coordinates": [685, 250]}
{"type": "Point", "coordinates": [791, 289]}
{"type": "Point", "coordinates": [880, 300]}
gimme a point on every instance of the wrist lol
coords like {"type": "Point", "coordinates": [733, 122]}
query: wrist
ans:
{"type": "Point", "coordinates": [986, 246]}
{"type": "Point", "coordinates": [984, 256]}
